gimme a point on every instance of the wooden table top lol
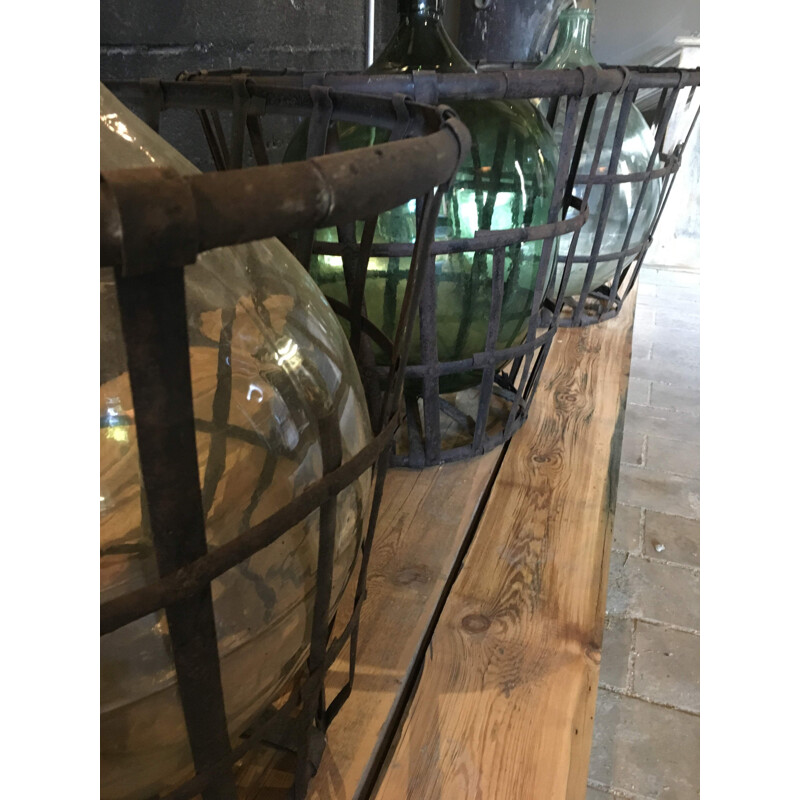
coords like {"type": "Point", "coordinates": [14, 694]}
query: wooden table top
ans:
{"type": "Point", "coordinates": [479, 646]}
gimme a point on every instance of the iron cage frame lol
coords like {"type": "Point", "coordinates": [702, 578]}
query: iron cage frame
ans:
{"type": "Point", "coordinates": [510, 391]}
{"type": "Point", "coordinates": [489, 418]}
{"type": "Point", "coordinates": [154, 222]}
{"type": "Point", "coordinates": [521, 80]}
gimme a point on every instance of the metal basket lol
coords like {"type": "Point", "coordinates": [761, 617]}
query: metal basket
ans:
{"type": "Point", "coordinates": [667, 96]}
{"type": "Point", "coordinates": [672, 120]}
{"type": "Point", "coordinates": [153, 223]}
{"type": "Point", "coordinates": [672, 117]}
{"type": "Point", "coordinates": [439, 428]}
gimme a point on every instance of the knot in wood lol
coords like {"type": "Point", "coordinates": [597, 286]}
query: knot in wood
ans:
{"type": "Point", "coordinates": [593, 653]}
{"type": "Point", "coordinates": [566, 398]}
{"type": "Point", "coordinates": [475, 623]}
{"type": "Point", "coordinates": [416, 573]}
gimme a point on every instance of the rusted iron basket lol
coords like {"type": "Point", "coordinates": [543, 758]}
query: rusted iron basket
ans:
{"type": "Point", "coordinates": [672, 118]}
{"type": "Point", "coordinates": [439, 428]}
{"type": "Point", "coordinates": [672, 121]}
{"type": "Point", "coordinates": [153, 223]}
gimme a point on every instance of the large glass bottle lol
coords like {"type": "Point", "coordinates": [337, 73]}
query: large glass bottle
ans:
{"type": "Point", "coordinates": [572, 49]}
{"type": "Point", "coordinates": [506, 182]}
{"type": "Point", "coordinates": [268, 358]}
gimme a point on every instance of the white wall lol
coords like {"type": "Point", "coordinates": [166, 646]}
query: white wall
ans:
{"type": "Point", "coordinates": [677, 239]}
{"type": "Point", "coordinates": [625, 31]}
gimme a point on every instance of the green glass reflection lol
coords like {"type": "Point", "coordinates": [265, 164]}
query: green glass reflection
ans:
{"type": "Point", "coordinates": [505, 182]}
{"type": "Point", "coordinates": [571, 50]}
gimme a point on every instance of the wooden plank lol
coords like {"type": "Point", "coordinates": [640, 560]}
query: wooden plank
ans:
{"type": "Point", "coordinates": [505, 703]}
{"type": "Point", "coordinates": [424, 519]}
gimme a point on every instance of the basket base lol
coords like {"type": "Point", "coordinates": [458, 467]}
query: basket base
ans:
{"type": "Point", "coordinates": [419, 444]}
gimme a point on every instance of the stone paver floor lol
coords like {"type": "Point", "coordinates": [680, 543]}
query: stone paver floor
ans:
{"type": "Point", "coordinates": [647, 727]}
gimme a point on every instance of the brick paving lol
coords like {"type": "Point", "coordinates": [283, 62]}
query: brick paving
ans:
{"type": "Point", "coordinates": [647, 725]}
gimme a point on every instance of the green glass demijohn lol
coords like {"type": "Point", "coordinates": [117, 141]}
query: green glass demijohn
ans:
{"type": "Point", "coordinates": [268, 358]}
{"type": "Point", "coordinates": [505, 182]}
{"type": "Point", "coordinates": [572, 49]}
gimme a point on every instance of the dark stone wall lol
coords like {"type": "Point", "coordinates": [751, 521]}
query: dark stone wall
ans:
{"type": "Point", "coordinates": [160, 38]}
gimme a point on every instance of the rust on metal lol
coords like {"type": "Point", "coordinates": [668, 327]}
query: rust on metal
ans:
{"type": "Point", "coordinates": [153, 222]}
{"type": "Point", "coordinates": [238, 206]}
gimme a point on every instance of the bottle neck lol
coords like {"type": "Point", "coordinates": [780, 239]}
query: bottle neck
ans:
{"type": "Point", "coordinates": [573, 43]}
{"type": "Point", "coordinates": [420, 42]}
{"type": "Point", "coordinates": [420, 9]}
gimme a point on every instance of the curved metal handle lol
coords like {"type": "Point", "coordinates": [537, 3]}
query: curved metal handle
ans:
{"type": "Point", "coordinates": [152, 219]}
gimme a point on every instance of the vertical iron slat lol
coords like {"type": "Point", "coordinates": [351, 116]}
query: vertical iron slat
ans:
{"type": "Point", "coordinates": [257, 144]}
{"type": "Point", "coordinates": [422, 265]}
{"type": "Point", "coordinates": [660, 137]}
{"type": "Point", "coordinates": [313, 691]}
{"type": "Point", "coordinates": [486, 213]}
{"type": "Point", "coordinates": [219, 130]}
{"type": "Point", "coordinates": [492, 332]}
{"type": "Point", "coordinates": [217, 154]}
{"type": "Point", "coordinates": [429, 358]}
{"type": "Point", "coordinates": [661, 132]}
{"type": "Point", "coordinates": [554, 213]}
{"type": "Point", "coordinates": [662, 99]}
{"type": "Point", "coordinates": [605, 123]}
{"type": "Point", "coordinates": [154, 102]}
{"type": "Point", "coordinates": [366, 550]}
{"type": "Point", "coordinates": [238, 120]}
{"type": "Point", "coordinates": [153, 312]}
{"type": "Point", "coordinates": [608, 193]}
{"type": "Point", "coordinates": [533, 379]}
{"type": "Point", "coordinates": [220, 411]}
{"type": "Point", "coordinates": [515, 251]}
{"type": "Point", "coordinates": [318, 125]}
{"type": "Point", "coordinates": [390, 292]}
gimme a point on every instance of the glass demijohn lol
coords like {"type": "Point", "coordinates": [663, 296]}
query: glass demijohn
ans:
{"type": "Point", "coordinates": [572, 49]}
{"type": "Point", "coordinates": [505, 182]}
{"type": "Point", "coordinates": [268, 359]}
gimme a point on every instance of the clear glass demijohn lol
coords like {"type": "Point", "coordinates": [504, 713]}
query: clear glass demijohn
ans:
{"type": "Point", "coordinates": [505, 182]}
{"type": "Point", "coordinates": [285, 363]}
{"type": "Point", "coordinates": [572, 49]}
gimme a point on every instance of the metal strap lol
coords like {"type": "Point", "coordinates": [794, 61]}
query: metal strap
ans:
{"type": "Point", "coordinates": [626, 79]}
{"type": "Point", "coordinates": [505, 79]}
{"type": "Point", "coordinates": [186, 581]}
{"type": "Point", "coordinates": [157, 216]}
{"type": "Point", "coordinates": [459, 131]}
{"type": "Point", "coordinates": [241, 97]}
{"type": "Point", "coordinates": [153, 313]}
{"type": "Point", "coordinates": [154, 101]}
{"type": "Point", "coordinates": [589, 81]}
{"type": "Point", "coordinates": [400, 128]}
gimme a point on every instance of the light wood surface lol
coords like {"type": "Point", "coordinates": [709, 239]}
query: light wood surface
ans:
{"type": "Point", "coordinates": [505, 703]}
{"type": "Point", "coordinates": [504, 706]}
{"type": "Point", "coordinates": [424, 519]}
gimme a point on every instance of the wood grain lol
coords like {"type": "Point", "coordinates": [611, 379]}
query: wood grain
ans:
{"type": "Point", "coordinates": [424, 519]}
{"type": "Point", "coordinates": [505, 704]}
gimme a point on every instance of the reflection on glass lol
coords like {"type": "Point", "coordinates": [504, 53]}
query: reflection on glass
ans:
{"type": "Point", "coordinates": [571, 50]}
{"type": "Point", "coordinates": [268, 359]}
{"type": "Point", "coordinates": [505, 182]}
